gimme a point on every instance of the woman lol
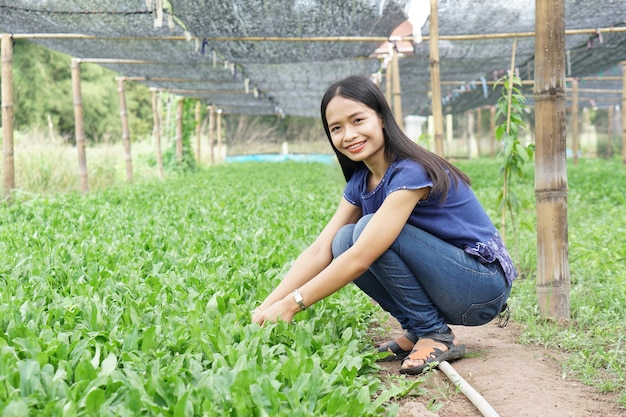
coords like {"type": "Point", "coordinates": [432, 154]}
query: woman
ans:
{"type": "Point", "coordinates": [408, 231]}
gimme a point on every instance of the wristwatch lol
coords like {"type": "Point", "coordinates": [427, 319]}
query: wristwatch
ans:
{"type": "Point", "coordinates": [298, 297]}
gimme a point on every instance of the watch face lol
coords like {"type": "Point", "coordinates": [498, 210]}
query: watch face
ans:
{"type": "Point", "coordinates": [298, 297]}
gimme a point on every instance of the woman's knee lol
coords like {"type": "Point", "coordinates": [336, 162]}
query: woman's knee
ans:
{"type": "Point", "coordinates": [360, 225]}
{"type": "Point", "coordinates": [343, 240]}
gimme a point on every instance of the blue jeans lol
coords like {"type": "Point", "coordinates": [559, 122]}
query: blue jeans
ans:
{"type": "Point", "coordinates": [426, 283]}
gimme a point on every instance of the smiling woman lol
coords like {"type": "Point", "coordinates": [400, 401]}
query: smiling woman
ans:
{"type": "Point", "coordinates": [408, 231]}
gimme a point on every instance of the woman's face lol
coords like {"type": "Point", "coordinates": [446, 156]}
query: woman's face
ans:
{"type": "Point", "coordinates": [355, 129]}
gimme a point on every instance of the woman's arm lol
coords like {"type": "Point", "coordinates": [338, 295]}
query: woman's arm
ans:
{"type": "Point", "coordinates": [381, 231]}
{"type": "Point", "coordinates": [316, 257]}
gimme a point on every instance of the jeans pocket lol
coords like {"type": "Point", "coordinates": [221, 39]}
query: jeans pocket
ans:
{"type": "Point", "coordinates": [481, 313]}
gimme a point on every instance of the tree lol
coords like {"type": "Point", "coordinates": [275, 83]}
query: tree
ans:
{"type": "Point", "coordinates": [42, 88]}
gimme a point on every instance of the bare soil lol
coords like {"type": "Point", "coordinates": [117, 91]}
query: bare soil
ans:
{"type": "Point", "coordinates": [516, 380]}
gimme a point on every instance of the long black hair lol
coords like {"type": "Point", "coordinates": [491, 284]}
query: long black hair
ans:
{"type": "Point", "coordinates": [397, 144]}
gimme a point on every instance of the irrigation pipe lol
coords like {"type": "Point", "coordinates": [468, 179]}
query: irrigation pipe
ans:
{"type": "Point", "coordinates": [481, 404]}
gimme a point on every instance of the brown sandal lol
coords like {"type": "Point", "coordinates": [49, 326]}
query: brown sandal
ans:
{"type": "Point", "coordinates": [396, 352]}
{"type": "Point", "coordinates": [428, 349]}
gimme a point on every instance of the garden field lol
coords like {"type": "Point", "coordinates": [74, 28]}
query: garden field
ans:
{"type": "Point", "coordinates": [136, 300]}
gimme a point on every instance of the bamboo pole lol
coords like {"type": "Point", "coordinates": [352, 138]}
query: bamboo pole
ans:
{"type": "Point", "coordinates": [7, 115]}
{"type": "Point", "coordinates": [553, 275]}
{"type": "Point", "coordinates": [472, 146]}
{"type": "Point", "coordinates": [375, 39]}
{"type": "Point", "coordinates": [505, 187]}
{"type": "Point", "coordinates": [575, 123]}
{"type": "Point", "coordinates": [435, 78]}
{"type": "Point", "coordinates": [219, 134]}
{"type": "Point", "coordinates": [125, 130]}
{"type": "Point", "coordinates": [479, 131]}
{"type": "Point", "coordinates": [609, 133]}
{"type": "Point", "coordinates": [492, 131]}
{"type": "Point", "coordinates": [212, 133]}
{"type": "Point", "coordinates": [397, 95]}
{"type": "Point", "coordinates": [198, 131]}
{"type": "Point", "coordinates": [624, 113]}
{"type": "Point", "coordinates": [50, 128]}
{"type": "Point", "coordinates": [388, 79]}
{"type": "Point", "coordinates": [79, 126]}
{"type": "Point", "coordinates": [157, 131]}
{"type": "Point", "coordinates": [179, 129]}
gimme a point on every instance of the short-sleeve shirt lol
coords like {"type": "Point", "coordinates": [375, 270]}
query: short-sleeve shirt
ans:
{"type": "Point", "coordinates": [459, 220]}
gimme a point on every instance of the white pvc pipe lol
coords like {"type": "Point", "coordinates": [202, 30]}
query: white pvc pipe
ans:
{"type": "Point", "coordinates": [481, 404]}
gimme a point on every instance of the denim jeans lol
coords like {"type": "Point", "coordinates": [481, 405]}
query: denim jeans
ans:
{"type": "Point", "coordinates": [427, 283]}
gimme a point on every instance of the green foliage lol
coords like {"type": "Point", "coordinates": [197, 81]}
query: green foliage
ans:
{"type": "Point", "coordinates": [511, 106]}
{"type": "Point", "coordinates": [43, 87]}
{"type": "Point", "coordinates": [137, 301]}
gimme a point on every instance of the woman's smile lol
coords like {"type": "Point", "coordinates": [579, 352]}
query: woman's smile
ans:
{"type": "Point", "coordinates": [356, 147]}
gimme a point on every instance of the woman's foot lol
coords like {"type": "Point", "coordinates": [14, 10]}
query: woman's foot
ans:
{"type": "Point", "coordinates": [431, 348]}
{"type": "Point", "coordinates": [399, 348]}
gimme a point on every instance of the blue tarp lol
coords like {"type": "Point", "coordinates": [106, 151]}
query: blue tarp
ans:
{"type": "Point", "coordinates": [324, 158]}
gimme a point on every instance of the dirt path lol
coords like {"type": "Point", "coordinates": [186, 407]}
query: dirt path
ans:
{"type": "Point", "coordinates": [516, 380]}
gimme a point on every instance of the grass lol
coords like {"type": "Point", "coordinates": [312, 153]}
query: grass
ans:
{"type": "Point", "coordinates": [135, 300]}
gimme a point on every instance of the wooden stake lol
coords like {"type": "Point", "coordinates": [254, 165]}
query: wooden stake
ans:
{"type": "Point", "coordinates": [212, 133]}
{"type": "Point", "coordinates": [609, 133]}
{"type": "Point", "coordinates": [125, 129]}
{"type": "Point", "coordinates": [479, 130]}
{"type": "Point", "coordinates": [219, 134]}
{"type": "Point", "coordinates": [397, 96]}
{"type": "Point", "coordinates": [575, 130]}
{"type": "Point", "coordinates": [492, 131]}
{"type": "Point", "coordinates": [435, 78]}
{"type": "Point", "coordinates": [179, 129]}
{"type": "Point", "coordinates": [157, 131]}
{"type": "Point", "coordinates": [553, 275]}
{"type": "Point", "coordinates": [7, 115]}
{"type": "Point", "coordinates": [50, 129]}
{"type": "Point", "coordinates": [79, 126]}
{"type": "Point", "coordinates": [388, 79]}
{"type": "Point", "coordinates": [198, 131]}
{"type": "Point", "coordinates": [624, 113]}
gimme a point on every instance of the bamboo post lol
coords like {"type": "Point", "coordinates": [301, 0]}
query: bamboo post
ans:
{"type": "Point", "coordinates": [179, 130]}
{"type": "Point", "coordinates": [212, 133]}
{"type": "Point", "coordinates": [492, 131]}
{"type": "Point", "coordinates": [125, 129]}
{"type": "Point", "coordinates": [435, 78]}
{"type": "Point", "coordinates": [7, 114]}
{"type": "Point", "coordinates": [553, 275]}
{"type": "Point", "coordinates": [198, 131]}
{"type": "Point", "coordinates": [397, 95]}
{"type": "Point", "coordinates": [449, 130]}
{"type": "Point", "coordinates": [389, 77]}
{"type": "Point", "coordinates": [609, 133]}
{"type": "Point", "coordinates": [219, 134]}
{"type": "Point", "coordinates": [479, 130]}
{"type": "Point", "coordinates": [157, 132]}
{"type": "Point", "coordinates": [79, 126]}
{"type": "Point", "coordinates": [624, 113]}
{"type": "Point", "coordinates": [575, 130]}
{"type": "Point", "coordinates": [50, 128]}
{"type": "Point", "coordinates": [472, 146]}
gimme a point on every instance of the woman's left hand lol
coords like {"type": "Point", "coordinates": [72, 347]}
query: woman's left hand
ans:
{"type": "Point", "coordinates": [280, 310]}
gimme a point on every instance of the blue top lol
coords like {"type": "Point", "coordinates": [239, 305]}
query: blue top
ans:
{"type": "Point", "coordinates": [459, 220]}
